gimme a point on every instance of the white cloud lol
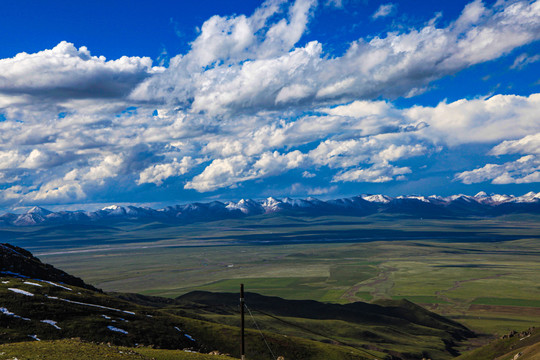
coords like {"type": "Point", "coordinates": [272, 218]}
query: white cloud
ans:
{"type": "Point", "coordinates": [57, 191]}
{"type": "Point", "coordinates": [10, 159]}
{"type": "Point", "coordinates": [68, 72]}
{"type": "Point", "coordinates": [233, 170]}
{"type": "Point", "coordinates": [307, 175]}
{"type": "Point", "coordinates": [267, 73]}
{"type": "Point", "coordinates": [522, 171]}
{"type": "Point", "coordinates": [383, 11]}
{"type": "Point", "coordinates": [109, 166]}
{"type": "Point", "coordinates": [250, 102]}
{"type": "Point", "coordinates": [528, 145]}
{"type": "Point", "coordinates": [378, 173]}
{"type": "Point", "coordinates": [375, 149]}
{"type": "Point", "coordinates": [159, 172]}
{"type": "Point", "coordinates": [523, 60]}
{"type": "Point", "coordinates": [44, 159]}
{"type": "Point", "coordinates": [479, 121]}
{"type": "Point", "coordinates": [221, 173]}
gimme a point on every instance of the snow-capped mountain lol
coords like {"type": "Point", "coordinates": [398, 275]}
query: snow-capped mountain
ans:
{"type": "Point", "coordinates": [459, 205]}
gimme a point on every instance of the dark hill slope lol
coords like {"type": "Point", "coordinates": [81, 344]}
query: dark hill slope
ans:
{"type": "Point", "coordinates": [400, 329]}
{"type": "Point", "coordinates": [391, 313]}
{"type": "Point", "coordinates": [16, 260]}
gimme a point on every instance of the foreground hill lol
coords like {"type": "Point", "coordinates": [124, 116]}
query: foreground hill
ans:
{"type": "Point", "coordinates": [416, 206]}
{"type": "Point", "coordinates": [33, 309]}
{"type": "Point", "coordinates": [81, 350]}
{"type": "Point", "coordinates": [524, 345]}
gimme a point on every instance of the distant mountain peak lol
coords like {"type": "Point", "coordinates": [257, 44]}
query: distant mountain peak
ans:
{"type": "Point", "coordinates": [38, 210]}
{"type": "Point", "coordinates": [459, 205]}
{"type": "Point", "coordinates": [112, 207]}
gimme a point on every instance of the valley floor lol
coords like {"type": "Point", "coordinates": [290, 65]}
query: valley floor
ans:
{"type": "Point", "coordinates": [482, 273]}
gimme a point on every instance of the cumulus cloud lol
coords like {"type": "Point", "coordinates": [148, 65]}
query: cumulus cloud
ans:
{"type": "Point", "coordinates": [159, 172]}
{"type": "Point", "coordinates": [251, 101]}
{"type": "Point", "coordinates": [377, 149]}
{"type": "Point", "coordinates": [270, 73]}
{"type": "Point", "coordinates": [10, 159]}
{"type": "Point", "coordinates": [233, 170]}
{"type": "Point", "coordinates": [522, 171]}
{"type": "Point", "coordinates": [479, 120]}
{"type": "Point", "coordinates": [528, 145]}
{"type": "Point", "coordinates": [67, 72]}
{"type": "Point", "coordinates": [57, 191]}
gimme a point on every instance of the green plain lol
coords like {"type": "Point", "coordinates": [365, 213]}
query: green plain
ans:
{"type": "Point", "coordinates": [481, 272]}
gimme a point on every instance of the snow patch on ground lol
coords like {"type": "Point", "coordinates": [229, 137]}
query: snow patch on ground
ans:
{"type": "Point", "coordinates": [6, 312]}
{"type": "Point", "coordinates": [52, 323]}
{"type": "Point", "coordinates": [32, 283]}
{"type": "Point", "coordinates": [92, 305]}
{"type": "Point", "coordinates": [19, 291]}
{"type": "Point", "coordinates": [106, 317]}
{"type": "Point", "coordinates": [189, 337]}
{"type": "Point", "coordinates": [34, 337]}
{"type": "Point", "coordinates": [54, 284]}
{"type": "Point", "coordinates": [5, 282]}
{"type": "Point", "coordinates": [112, 328]}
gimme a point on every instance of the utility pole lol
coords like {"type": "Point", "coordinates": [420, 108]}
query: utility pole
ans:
{"type": "Point", "coordinates": [243, 352]}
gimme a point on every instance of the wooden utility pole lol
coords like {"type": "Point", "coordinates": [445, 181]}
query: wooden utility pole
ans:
{"type": "Point", "coordinates": [243, 353]}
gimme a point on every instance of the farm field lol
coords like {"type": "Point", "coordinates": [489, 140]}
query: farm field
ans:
{"type": "Point", "coordinates": [480, 272]}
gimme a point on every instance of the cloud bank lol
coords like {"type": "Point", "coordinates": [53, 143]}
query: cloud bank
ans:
{"type": "Point", "coordinates": [250, 101]}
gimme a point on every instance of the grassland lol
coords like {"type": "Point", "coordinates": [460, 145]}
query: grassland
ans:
{"type": "Point", "coordinates": [80, 350]}
{"type": "Point", "coordinates": [481, 272]}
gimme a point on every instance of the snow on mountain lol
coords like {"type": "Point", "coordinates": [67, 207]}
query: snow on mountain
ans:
{"type": "Point", "coordinates": [36, 210]}
{"type": "Point", "coordinates": [528, 197]}
{"type": "Point", "coordinates": [455, 205]}
{"type": "Point", "coordinates": [414, 197]}
{"type": "Point", "coordinates": [111, 207]}
{"type": "Point", "coordinates": [272, 205]}
{"type": "Point", "coordinates": [246, 206]}
{"type": "Point", "coordinates": [377, 198]}
{"type": "Point", "coordinates": [34, 216]}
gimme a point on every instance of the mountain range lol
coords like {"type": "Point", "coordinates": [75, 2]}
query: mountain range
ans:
{"type": "Point", "coordinates": [433, 206]}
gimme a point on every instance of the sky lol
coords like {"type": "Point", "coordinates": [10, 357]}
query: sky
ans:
{"type": "Point", "coordinates": [168, 102]}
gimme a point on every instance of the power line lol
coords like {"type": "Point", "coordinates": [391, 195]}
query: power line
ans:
{"type": "Point", "coordinates": [258, 328]}
{"type": "Point", "coordinates": [315, 333]}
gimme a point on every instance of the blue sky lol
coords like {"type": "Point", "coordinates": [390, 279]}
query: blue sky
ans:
{"type": "Point", "coordinates": [168, 102]}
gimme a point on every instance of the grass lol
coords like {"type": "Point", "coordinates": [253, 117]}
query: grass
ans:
{"type": "Point", "coordinates": [448, 265]}
{"type": "Point", "coordinates": [81, 350]}
{"type": "Point", "coordinates": [527, 345]}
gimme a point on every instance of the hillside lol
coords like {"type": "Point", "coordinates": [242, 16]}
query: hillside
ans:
{"type": "Point", "coordinates": [34, 308]}
{"type": "Point", "coordinates": [524, 345]}
{"type": "Point", "coordinates": [81, 350]}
